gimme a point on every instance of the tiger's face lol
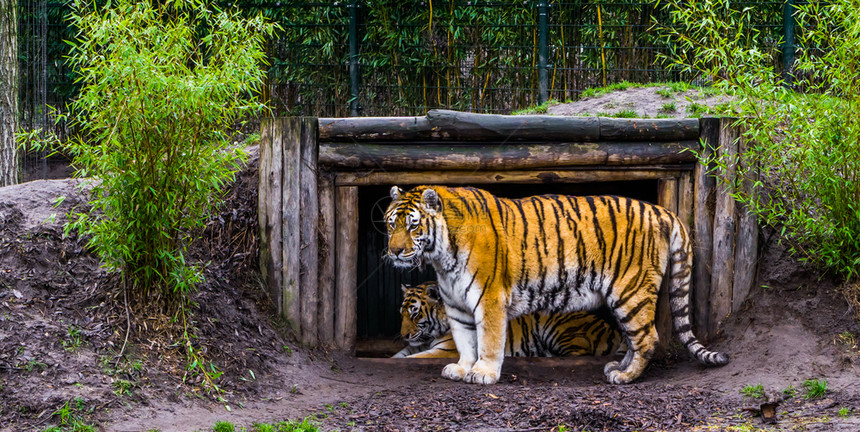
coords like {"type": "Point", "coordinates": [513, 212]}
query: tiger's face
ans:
{"type": "Point", "coordinates": [422, 314]}
{"type": "Point", "coordinates": [411, 226]}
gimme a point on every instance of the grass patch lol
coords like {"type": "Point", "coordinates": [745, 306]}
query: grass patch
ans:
{"type": "Point", "coordinates": [753, 391]}
{"type": "Point", "coordinates": [536, 109]}
{"type": "Point", "coordinates": [668, 107]}
{"type": "Point", "coordinates": [628, 113]}
{"type": "Point", "coordinates": [74, 338]}
{"type": "Point", "coordinates": [286, 426]}
{"type": "Point", "coordinates": [71, 419]}
{"type": "Point", "coordinates": [815, 388]}
{"type": "Point", "coordinates": [844, 412]}
{"type": "Point", "coordinates": [223, 426]}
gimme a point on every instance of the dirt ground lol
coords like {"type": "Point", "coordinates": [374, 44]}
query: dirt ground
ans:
{"type": "Point", "coordinates": [63, 325]}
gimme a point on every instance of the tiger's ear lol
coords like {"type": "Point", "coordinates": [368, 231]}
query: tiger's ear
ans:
{"type": "Point", "coordinates": [395, 193]}
{"type": "Point", "coordinates": [404, 287]}
{"type": "Point", "coordinates": [433, 291]}
{"type": "Point", "coordinates": [431, 200]}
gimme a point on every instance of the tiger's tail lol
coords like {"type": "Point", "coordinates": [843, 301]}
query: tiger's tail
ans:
{"type": "Point", "coordinates": [680, 268]}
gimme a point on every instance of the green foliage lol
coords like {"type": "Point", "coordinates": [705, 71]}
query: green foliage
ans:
{"type": "Point", "coordinates": [844, 412]}
{"type": "Point", "coordinates": [536, 109]}
{"type": "Point", "coordinates": [668, 107]}
{"type": "Point", "coordinates": [805, 146]}
{"type": "Point", "coordinates": [161, 88]}
{"type": "Point", "coordinates": [790, 392]}
{"type": "Point", "coordinates": [286, 426]}
{"type": "Point", "coordinates": [74, 338]}
{"type": "Point", "coordinates": [223, 426]}
{"type": "Point", "coordinates": [122, 387]}
{"type": "Point", "coordinates": [600, 91]}
{"type": "Point", "coordinates": [815, 388]}
{"type": "Point", "coordinates": [753, 391]}
{"type": "Point", "coordinates": [70, 418]}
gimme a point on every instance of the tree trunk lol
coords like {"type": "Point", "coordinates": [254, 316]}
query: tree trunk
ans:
{"type": "Point", "coordinates": [8, 91]}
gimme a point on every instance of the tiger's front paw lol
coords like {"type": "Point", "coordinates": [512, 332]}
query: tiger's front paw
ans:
{"type": "Point", "coordinates": [611, 366]}
{"type": "Point", "coordinates": [454, 372]}
{"type": "Point", "coordinates": [616, 376]}
{"type": "Point", "coordinates": [482, 373]}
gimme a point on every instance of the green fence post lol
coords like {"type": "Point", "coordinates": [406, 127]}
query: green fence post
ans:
{"type": "Point", "coordinates": [543, 31]}
{"type": "Point", "coordinates": [788, 46]}
{"type": "Point", "coordinates": [354, 76]}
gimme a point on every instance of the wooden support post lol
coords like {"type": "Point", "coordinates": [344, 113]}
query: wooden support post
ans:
{"type": "Point", "coordinates": [308, 226]}
{"type": "Point", "coordinates": [346, 205]}
{"type": "Point", "coordinates": [327, 260]}
{"type": "Point", "coordinates": [291, 131]}
{"type": "Point", "coordinates": [685, 200]}
{"type": "Point", "coordinates": [667, 197]}
{"type": "Point", "coordinates": [703, 231]}
{"type": "Point", "coordinates": [746, 249]}
{"type": "Point", "coordinates": [722, 277]}
{"type": "Point", "coordinates": [269, 209]}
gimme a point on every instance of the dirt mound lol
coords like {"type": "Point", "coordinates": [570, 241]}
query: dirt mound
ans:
{"type": "Point", "coordinates": [646, 102]}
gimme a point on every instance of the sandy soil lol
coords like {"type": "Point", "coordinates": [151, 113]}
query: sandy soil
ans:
{"type": "Point", "coordinates": [62, 326]}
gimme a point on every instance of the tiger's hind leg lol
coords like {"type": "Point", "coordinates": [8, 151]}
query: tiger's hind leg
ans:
{"type": "Point", "coordinates": [635, 315]}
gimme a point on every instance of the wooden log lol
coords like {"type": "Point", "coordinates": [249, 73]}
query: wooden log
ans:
{"type": "Point", "coordinates": [291, 131]}
{"type": "Point", "coordinates": [340, 156]}
{"type": "Point", "coordinates": [746, 242]}
{"type": "Point", "coordinates": [346, 207]}
{"type": "Point", "coordinates": [510, 177]}
{"type": "Point", "coordinates": [444, 125]}
{"type": "Point", "coordinates": [270, 209]}
{"type": "Point", "coordinates": [308, 229]}
{"type": "Point", "coordinates": [375, 129]}
{"type": "Point", "coordinates": [622, 129]}
{"type": "Point", "coordinates": [685, 200]}
{"type": "Point", "coordinates": [327, 264]}
{"type": "Point", "coordinates": [724, 230]}
{"type": "Point", "coordinates": [703, 231]}
{"type": "Point", "coordinates": [667, 197]}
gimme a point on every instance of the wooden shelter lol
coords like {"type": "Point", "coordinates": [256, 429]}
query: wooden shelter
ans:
{"type": "Point", "coordinates": [312, 172]}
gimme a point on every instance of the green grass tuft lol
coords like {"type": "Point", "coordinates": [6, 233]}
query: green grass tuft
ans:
{"type": "Point", "coordinates": [753, 391]}
{"type": "Point", "coordinates": [536, 109]}
{"type": "Point", "coordinates": [815, 388]}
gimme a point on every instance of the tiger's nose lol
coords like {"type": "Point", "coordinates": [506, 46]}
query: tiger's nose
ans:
{"type": "Point", "coordinates": [395, 251]}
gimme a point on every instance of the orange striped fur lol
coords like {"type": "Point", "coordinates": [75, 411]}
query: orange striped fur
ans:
{"type": "Point", "coordinates": [498, 258]}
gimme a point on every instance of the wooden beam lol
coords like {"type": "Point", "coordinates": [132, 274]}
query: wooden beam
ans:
{"type": "Point", "coordinates": [346, 205]}
{"type": "Point", "coordinates": [346, 156]}
{"type": "Point", "coordinates": [685, 200]}
{"type": "Point", "coordinates": [327, 263]}
{"type": "Point", "coordinates": [308, 228]}
{"type": "Point", "coordinates": [746, 250]}
{"type": "Point", "coordinates": [269, 209]}
{"type": "Point", "coordinates": [703, 231]}
{"type": "Point", "coordinates": [724, 230]}
{"type": "Point", "coordinates": [291, 131]}
{"type": "Point", "coordinates": [490, 177]}
{"type": "Point", "coordinates": [444, 125]}
{"type": "Point", "coordinates": [667, 197]}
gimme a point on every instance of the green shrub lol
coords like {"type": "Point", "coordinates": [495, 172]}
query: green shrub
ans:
{"type": "Point", "coordinates": [804, 160]}
{"type": "Point", "coordinates": [163, 83]}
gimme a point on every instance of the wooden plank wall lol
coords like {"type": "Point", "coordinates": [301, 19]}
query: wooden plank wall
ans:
{"type": "Point", "coordinates": [309, 219]}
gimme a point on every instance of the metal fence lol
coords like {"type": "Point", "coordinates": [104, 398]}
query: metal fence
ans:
{"type": "Point", "coordinates": [394, 57]}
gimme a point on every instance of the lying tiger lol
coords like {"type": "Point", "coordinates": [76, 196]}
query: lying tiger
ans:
{"type": "Point", "coordinates": [425, 326]}
{"type": "Point", "coordinates": [498, 258]}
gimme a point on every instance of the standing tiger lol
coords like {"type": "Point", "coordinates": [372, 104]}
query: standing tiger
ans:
{"type": "Point", "coordinates": [498, 258]}
{"type": "Point", "coordinates": [425, 326]}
